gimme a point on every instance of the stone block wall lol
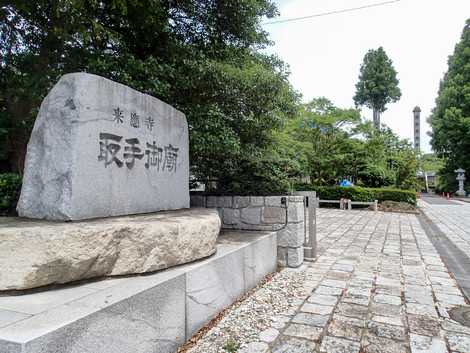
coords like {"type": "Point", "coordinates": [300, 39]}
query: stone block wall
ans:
{"type": "Point", "coordinates": [281, 214]}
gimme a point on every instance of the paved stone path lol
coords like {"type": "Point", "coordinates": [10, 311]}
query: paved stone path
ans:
{"type": "Point", "coordinates": [453, 219]}
{"type": "Point", "coordinates": [448, 227]}
{"type": "Point", "coordinates": [378, 285]}
{"type": "Point", "coordinates": [437, 200]}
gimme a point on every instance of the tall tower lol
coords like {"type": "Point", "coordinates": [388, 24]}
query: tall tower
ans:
{"type": "Point", "coordinates": [417, 127]}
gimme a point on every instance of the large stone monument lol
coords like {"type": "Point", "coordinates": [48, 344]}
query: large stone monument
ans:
{"type": "Point", "coordinates": [461, 178]}
{"type": "Point", "coordinates": [100, 149]}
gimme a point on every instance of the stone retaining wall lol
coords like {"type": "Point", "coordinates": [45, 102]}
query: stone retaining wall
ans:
{"type": "Point", "coordinates": [282, 214]}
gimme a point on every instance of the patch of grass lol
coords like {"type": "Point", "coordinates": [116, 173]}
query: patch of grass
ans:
{"type": "Point", "coordinates": [231, 346]}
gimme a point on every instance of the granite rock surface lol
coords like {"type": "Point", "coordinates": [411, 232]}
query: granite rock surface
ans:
{"type": "Point", "coordinates": [99, 148]}
{"type": "Point", "coordinates": [38, 253]}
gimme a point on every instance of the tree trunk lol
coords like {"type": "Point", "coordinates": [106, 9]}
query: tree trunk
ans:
{"type": "Point", "coordinates": [376, 115]}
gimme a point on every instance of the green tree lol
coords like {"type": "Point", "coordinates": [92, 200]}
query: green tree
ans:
{"type": "Point", "coordinates": [430, 162]}
{"type": "Point", "coordinates": [325, 144]}
{"type": "Point", "coordinates": [317, 141]}
{"type": "Point", "coordinates": [203, 57]}
{"type": "Point", "coordinates": [389, 161]}
{"type": "Point", "coordinates": [378, 83]}
{"type": "Point", "coordinates": [328, 128]}
{"type": "Point", "coordinates": [450, 119]}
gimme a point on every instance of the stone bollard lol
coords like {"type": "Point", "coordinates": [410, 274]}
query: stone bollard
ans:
{"type": "Point", "coordinates": [310, 224]}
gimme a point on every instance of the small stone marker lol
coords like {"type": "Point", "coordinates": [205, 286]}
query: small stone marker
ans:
{"type": "Point", "coordinates": [461, 178]}
{"type": "Point", "coordinates": [99, 148]}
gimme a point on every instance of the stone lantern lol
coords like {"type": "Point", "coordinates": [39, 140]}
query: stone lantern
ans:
{"type": "Point", "coordinates": [460, 178]}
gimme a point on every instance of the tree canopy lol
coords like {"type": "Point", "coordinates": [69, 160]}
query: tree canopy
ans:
{"type": "Point", "coordinates": [450, 119]}
{"type": "Point", "coordinates": [326, 144]}
{"type": "Point", "coordinates": [378, 83]}
{"type": "Point", "coordinates": [248, 131]}
{"type": "Point", "coordinates": [203, 57]}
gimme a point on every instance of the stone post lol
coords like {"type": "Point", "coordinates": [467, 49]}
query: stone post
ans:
{"type": "Point", "coordinates": [310, 222]}
{"type": "Point", "coordinates": [290, 240]}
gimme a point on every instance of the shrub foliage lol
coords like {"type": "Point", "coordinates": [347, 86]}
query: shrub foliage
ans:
{"type": "Point", "coordinates": [10, 187]}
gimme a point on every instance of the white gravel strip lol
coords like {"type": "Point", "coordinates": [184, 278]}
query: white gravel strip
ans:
{"type": "Point", "coordinates": [267, 308]}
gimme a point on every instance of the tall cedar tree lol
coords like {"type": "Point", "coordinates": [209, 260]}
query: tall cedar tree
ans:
{"type": "Point", "coordinates": [378, 83]}
{"type": "Point", "coordinates": [450, 119]}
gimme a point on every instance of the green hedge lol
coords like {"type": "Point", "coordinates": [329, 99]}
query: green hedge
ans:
{"type": "Point", "coordinates": [10, 187]}
{"type": "Point", "coordinates": [357, 193]}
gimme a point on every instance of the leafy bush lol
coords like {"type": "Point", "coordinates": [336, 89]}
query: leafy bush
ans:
{"type": "Point", "coordinates": [397, 195]}
{"type": "Point", "coordinates": [361, 194]}
{"type": "Point", "coordinates": [376, 176]}
{"type": "Point", "coordinates": [266, 175]}
{"type": "Point", "coordinates": [10, 186]}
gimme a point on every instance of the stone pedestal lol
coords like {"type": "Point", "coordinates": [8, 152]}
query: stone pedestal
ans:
{"type": "Point", "coordinates": [140, 314]}
{"type": "Point", "coordinates": [461, 192]}
{"type": "Point", "coordinates": [37, 253]}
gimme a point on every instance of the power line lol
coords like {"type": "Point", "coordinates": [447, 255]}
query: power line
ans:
{"type": "Point", "coordinates": [332, 12]}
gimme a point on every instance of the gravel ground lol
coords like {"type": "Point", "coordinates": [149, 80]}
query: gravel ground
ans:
{"type": "Point", "coordinates": [267, 307]}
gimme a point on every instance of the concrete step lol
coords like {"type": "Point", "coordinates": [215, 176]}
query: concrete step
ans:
{"type": "Point", "coordinates": [148, 313]}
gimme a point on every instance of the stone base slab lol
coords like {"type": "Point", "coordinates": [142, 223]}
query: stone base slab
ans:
{"type": "Point", "coordinates": [38, 253]}
{"type": "Point", "coordinates": [140, 314]}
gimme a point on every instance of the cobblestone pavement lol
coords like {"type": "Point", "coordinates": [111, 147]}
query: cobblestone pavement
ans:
{"type": "Point", "coordinates": [378, 285]}
{"type": "Point", "coordinates": [452, 219]}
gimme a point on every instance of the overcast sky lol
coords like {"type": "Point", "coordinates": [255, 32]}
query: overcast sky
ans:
{"type": "Point", "coordinates": [325, 53]}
